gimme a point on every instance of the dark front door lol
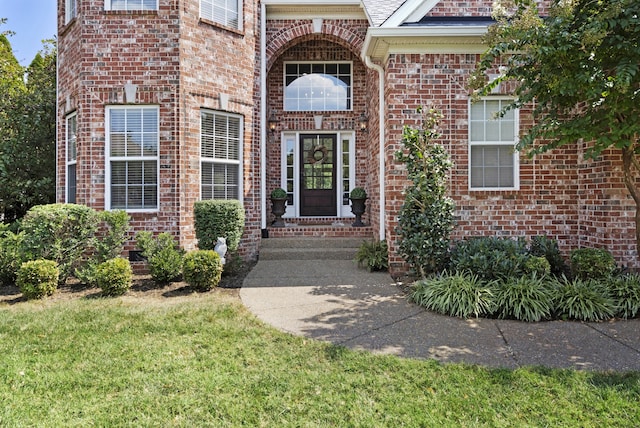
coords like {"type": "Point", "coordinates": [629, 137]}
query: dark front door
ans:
{"type": "Point", "coordinates": [318, 175]}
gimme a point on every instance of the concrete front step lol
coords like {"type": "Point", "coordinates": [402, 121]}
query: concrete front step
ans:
{"type": "Point", "coordinates": [309, 248]}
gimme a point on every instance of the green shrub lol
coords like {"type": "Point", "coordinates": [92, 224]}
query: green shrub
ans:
{"type": "Point", "coordinates": [592, 263]}
{"type": "Point", "coordinates": [114, 276]}
{"type": "Point", "coordinates": [234, 264]}
{"type": "Point", "coordinates": [358, 193]}
{"type": "Point", "coordinates": [216, 218]}
{"type": "Point", "coordinates": [584, 300]}
{"type": "Point", "coordinates": [107, 244]}
{"type": "Point", "coordinates": [164, 257]}
{"type": "Point", "coordinates": [373, 255]}
{"type": "Point", "coordinates": [202, 269]}
{"type": "Point", "coordinates": [59, 232]}
{"type": "Point", "coordinates": [543, 246]}
{"type": "Point", "coordinates": [625, 290]}
{"type": "Point", "coordinates": [10, 256]}
{"type": "Point", "coordinates": [460, 294]}
{"type": "Point", "coordinates": [537, 265]}
{"type": "Point", "coordinates": [278, 193]}
{"type": "Point", "coordinates": [38, 278]}
{"type": "Point", "coordinates": [426, 217]}
{"type": "Point", "coordinates": [527, 298]}
{"type": "Point", "coordinates": [490, 258]}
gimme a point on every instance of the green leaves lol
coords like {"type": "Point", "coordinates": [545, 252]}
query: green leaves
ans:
{"type": "Point", "coordinates": [426, 217]}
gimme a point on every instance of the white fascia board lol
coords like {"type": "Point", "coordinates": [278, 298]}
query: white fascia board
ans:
{"type": "Point", "coordinates": [327, 9]}
{"type": "Point", "coordinates": [410, 11]}
{"type": "Point", "coordinates": [311, 3]}
{"type": "Point", "coordinates": [381, 42]}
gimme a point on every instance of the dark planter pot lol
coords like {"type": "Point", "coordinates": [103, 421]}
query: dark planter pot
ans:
{"type": "Point", "coordinates": [278, 208]}
{"type": "Point", "coordinates": [358, 208]}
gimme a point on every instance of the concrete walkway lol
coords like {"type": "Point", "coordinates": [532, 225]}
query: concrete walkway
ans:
{"type": "Point", "coordinates": [334, 301]}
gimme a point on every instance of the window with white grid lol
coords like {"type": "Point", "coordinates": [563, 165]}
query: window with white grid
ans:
{"type": "Point", "coordinates": [220, 152]}
{"type": "Point", "coordinates": [131, 5]}
{"type": "Point", "coordinates": [493, 161]}
{"type": "Point", "coordinates": [132, 151]}
{"type": "Point", "coordinates": [72, 156]}
{"type": "Point", "coordinates": [225, 12]}
{"type": "Point", "coordinates": [317, 86]}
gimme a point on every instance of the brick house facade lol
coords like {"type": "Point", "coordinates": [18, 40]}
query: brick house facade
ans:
{"type": "Point", "coordinates": [207, 78]}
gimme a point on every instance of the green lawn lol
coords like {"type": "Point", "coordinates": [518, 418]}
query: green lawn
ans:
{"type": "Point", "coordinates": [203, 360]}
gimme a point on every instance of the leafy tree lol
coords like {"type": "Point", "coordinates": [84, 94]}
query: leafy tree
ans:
{"type": "Point", "coordinates": [579, 69]}
{"type": "Point", "coordinates": [27, 130]}
{"type": "Point", "coordinates": [426, 216]}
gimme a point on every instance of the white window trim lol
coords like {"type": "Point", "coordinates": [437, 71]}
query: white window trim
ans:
{"type": "Point", "coordinates": [512, 144]}
{"type": "Point", "coordinates": [240, 26]}
{"type": "Point", "coordinates": [107, 6]}
{"type": "Point", "coordinates": [238, 162]}
{"type": "Point", "coordinates": [109, 158]}
{"type": "Point", "coordinates": [67, 161]}
{"type": "Point", "coordinates": [70, 10]}
{"type": "Point", "coordinates": [284, 84]}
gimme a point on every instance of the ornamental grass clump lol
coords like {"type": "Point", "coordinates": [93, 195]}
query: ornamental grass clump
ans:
{"type": "Point", "coordinates": [114, 276]}
{"type": "Point", "coordinates": [459, 294]}
{"type": "Point", "coordinates": [625, 290]}
{"type": "Point", "coordinates": [527, 298]}
{"type": "Point", "coordinates": [584, 300]}
{"type": "Point", "coordinates": [202, 269]}
{"type": "Point", "coordinates": [38, 278]}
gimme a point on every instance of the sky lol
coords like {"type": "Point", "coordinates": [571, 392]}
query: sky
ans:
{"type": "Point", "coordinates": [32, 21]}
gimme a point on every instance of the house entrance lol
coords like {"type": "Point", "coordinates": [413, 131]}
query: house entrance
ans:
{"type": "Point", "coordinates": [318, 170]}
{"type": "Point", "coordinates": [318, 175]}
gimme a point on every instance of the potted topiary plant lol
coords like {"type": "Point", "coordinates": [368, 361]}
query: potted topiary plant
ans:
{"type": "Point", "coordinates": [358, 197]}
{"type": "Point", "coordinates": [278, 206]}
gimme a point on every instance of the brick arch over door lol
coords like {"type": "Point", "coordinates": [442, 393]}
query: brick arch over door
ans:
{"type": "Point", "coordinates": [283, 39]}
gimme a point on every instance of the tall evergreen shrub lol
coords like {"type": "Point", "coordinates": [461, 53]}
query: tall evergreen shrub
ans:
{"type": "Point", "coordinates": [59, 232]}
{"type": "Point", "coordinates": [215, 219]}
{"type": "Point", "coordinates": [426, 217]}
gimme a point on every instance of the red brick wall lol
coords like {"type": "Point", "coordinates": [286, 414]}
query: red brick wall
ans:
{"type": "Point", "coordinates": [340, 40]}
{"type": "Point", "coordinates": [577, 202]}
{"type": "Point", "coordinates": [179, 64]}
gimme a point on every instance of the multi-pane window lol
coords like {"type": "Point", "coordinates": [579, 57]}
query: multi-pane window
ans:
{"type": "Point", "coordinates": [493, 161]}
{"type": "Point", "coordinates": [225, 12]}
{"type": "Point", "coordinates": [70, 10]}
{"type": "Point", "coordinates": [133, 141]}
{"type": "Point", "coordinates": [220, 150]}
{"type": "Point", "coordinates": [72, 156]}
{"type": "Point", "coordinates": [131, 4]}
{"type": "Point", "coordinates": [312, 86]}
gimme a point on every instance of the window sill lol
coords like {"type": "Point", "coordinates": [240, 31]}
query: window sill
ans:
{"type": "Point", "coordinates": [220, 26]}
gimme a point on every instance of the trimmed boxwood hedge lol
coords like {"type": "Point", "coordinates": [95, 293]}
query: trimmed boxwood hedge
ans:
{"type": "Point", "coordinates": [214, 219]}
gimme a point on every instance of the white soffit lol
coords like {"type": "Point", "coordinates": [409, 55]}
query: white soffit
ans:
{"type": "Point", "coordinates": [382, 42]}
{"type": "Point", "coordinates": [327, 9]}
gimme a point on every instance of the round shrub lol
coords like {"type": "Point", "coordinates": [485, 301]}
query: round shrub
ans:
{"type": "Point", "coordinates": [625, 290]}
{"type": "Point", "coordinates": [114, 276]}
{"type": "Point", "coordinates": [584, 300]}
{"type": "Point", "coordinates": [164, 257]}
{"type": "Point", "coordinates": [527, 298]}
{"type": "Point", "coordinates": [202, 269]}
{"type": "Point", "coordinates": [537, 265]}
{"type": "Point", "coordinates": [460, 294]}
{"type": "Point", "coordinates": [38, 278]}
{"type": "Point", "coordinates": [592, 263]}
